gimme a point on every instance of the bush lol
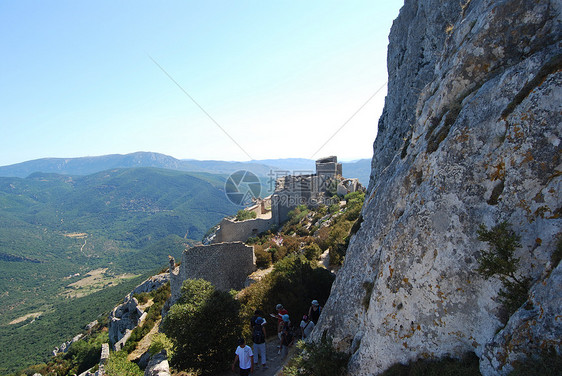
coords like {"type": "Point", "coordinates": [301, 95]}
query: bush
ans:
{"type": "Point", "coordinates": [243, 215]}
{"type": "Point", "coordinates": [294, 282]}
{"type": "Point", "coordinates": [312, 252]}
{"type": "Point", "coordinates": [204, 327]}
{"type": "Point", "coordinates": [467, 366]}
{"type": "Point", "coordinates": [334, 208]}
{"type": "Point", "coordinates": [161, 342]}
{"type": "Point", "coordinates": [118, 365]}
{"type": "Point", "coordinates": [318, 359]}
{"type": "Point", "coordinates": [547, 363]}
{"type": "Point", "coordinates": [154, 314]}
{"type": "Point", "coordinates": [500, 261]}
{"type": "Point", "coordinates": [263, 258]}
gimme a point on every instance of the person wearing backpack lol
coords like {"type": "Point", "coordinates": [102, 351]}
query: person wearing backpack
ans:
{"type": "Point", "coordinates": [314, 311]}
{"type": "Point", "coordinates": [258, 337]}
{"type": "Point", "coordinates": [287, 337]}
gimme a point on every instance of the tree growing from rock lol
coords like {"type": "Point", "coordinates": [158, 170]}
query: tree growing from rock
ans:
{"type": "Point", "coordinates": [501, 262]}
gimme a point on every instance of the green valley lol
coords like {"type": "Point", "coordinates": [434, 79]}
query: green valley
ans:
{"type": "Point", "coordinates": [72, 246]}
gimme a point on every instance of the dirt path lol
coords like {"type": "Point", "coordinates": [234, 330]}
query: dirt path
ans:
{"type": "Point", "coordinates": [274, 361]}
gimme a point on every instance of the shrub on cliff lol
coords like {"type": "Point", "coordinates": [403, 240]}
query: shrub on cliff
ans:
{"type": "Point", "coordinates": [318, 359]}
{"type": "Point", "coordinates": [118, 365]}
{"type": "Point", "coordinates": [203, 327]}
{"type": "Point", "coordinates": [500, 261]}
{"type": "Point", "coordinates": [243, 215]}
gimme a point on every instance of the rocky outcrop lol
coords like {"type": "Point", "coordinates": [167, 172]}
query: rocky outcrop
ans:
{"type": "Point", "coordinates": [127, 316]}
{"type": "Point", "coordinates": [534, 327]}
{"type": "Point", "coordinates": [123, 319]}
{"type": "Point", "coordinates": [470, 135]}
{"type": "Point", "coordinates": [66, 345]}
{"type": "Point", "coordinates": [158, 365]}
{"type": "Point", "coordinates": [152, 283]}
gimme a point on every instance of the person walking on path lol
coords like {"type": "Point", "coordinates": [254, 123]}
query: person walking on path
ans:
{"type": "Point", "coordinates": [245, 357]}
{"type": "Point", "coordinates": [314, 311]}
{"type": "Point", "coordinates": [279, 316]}
{"type": "Point", "coordinates": [258, 337]}
{"type": "Point", "coordinates": [286, 336]}
{"type": "Point", "coordinates": [306, 327]}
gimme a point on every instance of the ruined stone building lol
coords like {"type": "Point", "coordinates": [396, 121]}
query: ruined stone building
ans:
{"type": "Point", "coordinates": [231, 230]}
{"type": "Point", "coordinates": [225, 265]}
{"type": "Point", "coordinates": [310, 190]}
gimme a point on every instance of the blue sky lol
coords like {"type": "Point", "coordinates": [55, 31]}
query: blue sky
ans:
{"type": "Point", "coordinates": [280, 77]}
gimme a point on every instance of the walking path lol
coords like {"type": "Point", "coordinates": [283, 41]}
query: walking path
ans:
{"type": "Point", "coordinates": [274, 361]}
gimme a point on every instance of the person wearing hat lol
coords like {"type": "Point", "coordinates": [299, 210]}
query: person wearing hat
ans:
{"type": "Point", "coordinates": [286, 336]}
{"type": "Point", "coordinates": [314, 311]}
{"type": "Point", "coordinates": [258, 337]}
{"type": "Point", "coordinates": [306, 327]}
{"type": "Point", "coordinates": [245, 357]}
{"type": "Point", "coordinates": [279, 316]}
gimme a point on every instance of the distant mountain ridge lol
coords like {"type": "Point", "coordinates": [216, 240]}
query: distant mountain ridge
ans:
{"type": "Point", "coordinates": [90, 165]}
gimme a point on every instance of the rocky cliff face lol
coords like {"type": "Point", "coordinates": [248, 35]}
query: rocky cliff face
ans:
{"type": "Point", "coordinates": [470, 135]}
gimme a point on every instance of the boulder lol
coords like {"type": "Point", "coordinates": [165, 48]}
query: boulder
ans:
{"type": "Point", "coordinates": [158, 365]}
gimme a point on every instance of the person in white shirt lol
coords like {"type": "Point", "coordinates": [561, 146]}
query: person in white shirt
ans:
{"type": "Point", "coordinates": [306, 327]}
{"type": "Point", "coordinates": [245, 357]}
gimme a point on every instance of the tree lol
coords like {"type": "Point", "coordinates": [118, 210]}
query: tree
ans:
{"type": "Point", "coordinates": [500, 261]}
{"type": "Point", "coordinates": [204, 326]}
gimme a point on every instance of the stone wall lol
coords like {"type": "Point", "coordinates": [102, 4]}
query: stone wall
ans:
{"type": "Point", "coordinates": [225, 265]}
{"type": "Point", "coordinates": [231, 230]}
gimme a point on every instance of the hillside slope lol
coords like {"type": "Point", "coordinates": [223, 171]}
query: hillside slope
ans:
{"type": "Point", "coordinates": [470, 135]}
{"type": "Point", "coordinates": [66, 237]}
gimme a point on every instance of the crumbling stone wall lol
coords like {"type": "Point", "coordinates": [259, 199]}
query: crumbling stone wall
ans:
{"type": "Point", "coordinates": [225, 265]}
{"type": "Point", "coordinates": [231, 230]}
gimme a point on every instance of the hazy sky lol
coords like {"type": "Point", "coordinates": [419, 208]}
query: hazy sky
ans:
{"type": "Point", "coordinates": [280, 77]}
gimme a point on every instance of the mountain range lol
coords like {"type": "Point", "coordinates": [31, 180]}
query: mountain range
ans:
{"type": "Point", "coordinates": [89, 165]}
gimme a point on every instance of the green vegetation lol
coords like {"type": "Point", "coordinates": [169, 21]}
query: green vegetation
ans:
{"type": "Point", "coordinates": [154, 314]}
{"type": "Point", "coordinates": [311, 231]}
{"type": "Point", "coordinates": [54, 227]}
{"type": "Point", "coordinates": [317, 359]}
{"type": "Point", "coordinates": [467, 366]}
{"type": "Point", "coordinates": [294, 282]}
{"type": "Point", "coordinates": [547, 363]}
{"type": "Point", "coordinates": [31, 342]}
{"type": "Point", "coordinates": [80, 357]}
{"type": "Point", "coordinates": [243, 215]}
{"type": "Point", "coordinates": [203, 326]}
{"type": "Point", "coordinates": [161, 342]}
{"type": "Point", "coordinates": [118, 365]}
{"type": "Point", "coordinates": [500, 261]}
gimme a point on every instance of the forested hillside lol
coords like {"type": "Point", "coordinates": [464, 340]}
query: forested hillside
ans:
{"type": "Point", "coordinates": [65, 237]}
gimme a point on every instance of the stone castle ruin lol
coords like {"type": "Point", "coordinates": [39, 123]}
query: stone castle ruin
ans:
{"type": "Point", "coordinates": [311, 190]}
{"type": "Point", "coordinates": [225, 265]}
{"type": "Point", "coordinates": [232, 230]}
{"type": "Point", "coordinates": [226, 262]}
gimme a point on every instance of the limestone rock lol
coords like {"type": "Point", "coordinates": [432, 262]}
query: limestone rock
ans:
{"type": "Point", "coordinates": [124, 317]}
{"type": "Point", "coordinates": [158, 365]}
{"type": "Point", "coordinates": [152, 283]}
{"type": "Point", "coordinates": [535, 326]}
{"type": "Point", "coordinates": [91, 325]}
{"type": "Point", "coordinates": [470, 135]}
